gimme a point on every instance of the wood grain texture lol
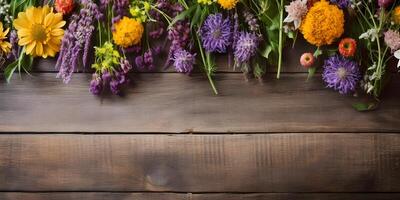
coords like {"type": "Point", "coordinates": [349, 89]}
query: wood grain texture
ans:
{"type": "Point", "coordinates": [189, 196]}
{"type": "Point", "coordinates": [175, 103]}
{"type": "Point", "coordinates": [201, 163]}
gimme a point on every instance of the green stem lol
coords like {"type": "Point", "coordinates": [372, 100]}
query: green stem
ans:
{"type": "Point", "coordinates": [280, 39]}
{"type": "Point", "coordinates": [206, 66]}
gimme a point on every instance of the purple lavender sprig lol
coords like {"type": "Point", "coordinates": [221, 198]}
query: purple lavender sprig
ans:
{"type": "Point", "coordinates": [76, 43]}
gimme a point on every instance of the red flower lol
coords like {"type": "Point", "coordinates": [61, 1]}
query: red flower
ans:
{"type": "Point", "coordinates": [64, 6]}
{"type": "Point", "coordinates": [347, 47]}
{"type": "Point", "coordinates": [307, 60]}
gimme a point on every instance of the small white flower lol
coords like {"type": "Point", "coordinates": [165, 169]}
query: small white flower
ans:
{"type": "Point", "coordinates": [296, 10]}
{"type": "Point", "coordinates": [370, 34]}
{"type": "Point", "coordinates": [397, 55]}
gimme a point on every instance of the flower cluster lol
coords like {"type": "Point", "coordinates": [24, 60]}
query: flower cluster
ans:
{"type": "Point", "coordinates": [117, 37]}
{"type": "Point", "coordinates": [111, 70]}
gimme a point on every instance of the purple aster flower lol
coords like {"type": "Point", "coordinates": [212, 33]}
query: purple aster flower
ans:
{"type": "Point", "coordinates": [216, 33]}
{"type": "Point", "coordinates": [246, 47]}
{"type": "Point", "coordinates": [341, 74]}
{"type": "Point", "coordinates": [184, 61]}
{"type": "Point", "coordinates": [341, 3]}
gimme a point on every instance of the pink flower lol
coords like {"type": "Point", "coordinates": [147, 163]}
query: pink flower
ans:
{"type": "Point", "coordinates": [392, 40]}
{"type": "Point", "coordinates": [307, 60]}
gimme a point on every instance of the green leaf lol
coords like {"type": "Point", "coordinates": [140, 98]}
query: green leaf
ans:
{"type": "Point", "coordinates": [196, 17]}
{"type": "Point", "coordinates": [265, 53]}
{"type": "Point", "coordinates": [311, 72]}
{"type": "Point", "coordinates": [363, 107]}
{"type": "Point", "coordinates": [182, 16]}
{"type": "Point", "coordinates": [291, 35]}
{"type": "Point", "coordinates": [26, 63]}
{"type": "Point", "coordinates": [318, 52]}
{"type": "Point", "coordinates": [9, 71]}
{"type": "Point", "coordinates": [259, 70]}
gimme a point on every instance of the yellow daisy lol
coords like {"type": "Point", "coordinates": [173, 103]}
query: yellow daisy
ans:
{"type": "Point", "coordinates": [40, 31]}
{"type": "Point", "coordinates": [5, 46]}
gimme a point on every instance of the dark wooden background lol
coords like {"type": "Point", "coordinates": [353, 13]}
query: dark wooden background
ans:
{"type": "Point", "coordinates": [170, 138]}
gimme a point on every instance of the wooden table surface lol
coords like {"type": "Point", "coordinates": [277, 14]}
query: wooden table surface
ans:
{"type": "Point", "coordinates": [169, 138]}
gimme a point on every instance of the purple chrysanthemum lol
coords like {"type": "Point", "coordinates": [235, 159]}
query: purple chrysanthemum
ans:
{"type": "Point", "coordinates": [246, 47]}
{"type": "Point", "coordinates": [184, 61]}
{"type": "Point", "coordinates": [341, 74]}
{"type": "Point", "coordinates": [216, 33]}
{"type": "Point", "coordinates": [341, 3]}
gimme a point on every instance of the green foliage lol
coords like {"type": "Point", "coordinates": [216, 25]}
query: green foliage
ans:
{"type": "Point", "coordinates": [363, 107]}
{"type": "Point", "coordinates": [107, 58]}
{"type": "Point", "coordinates": [271, 13]}
{"type": "Point", "coordinates": [23, 63]}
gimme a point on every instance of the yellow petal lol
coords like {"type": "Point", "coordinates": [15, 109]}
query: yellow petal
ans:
{"type": "Point", "coordinates": [22, 22]}
{"type": "Point", "coordinates": [39, 48]}
{"type": "Point", "coordinates": [24, 32]}
{"type": "Point", "coordinates": [30, 47]}
{"type": "Point", "coordinates": [48, 20]}
{"type": "Point", "coordinates": [54, 47]}
{"type": "Point", "coordinates": [30, 13]}
{"type": "Point", "coordinates": [57, 32]}
{"type": "Point", "coordinates": [59, 24]}
{"type": "Point", "coordinates": [6, 31]}
{"type": "Point", "coordinates": [24, 41]}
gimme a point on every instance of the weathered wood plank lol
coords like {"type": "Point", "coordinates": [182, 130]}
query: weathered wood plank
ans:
{"type": "Point", "coordinates": [92, 196]}
{"type": "Point", "coordinates": [201, 163]}
{"type": "Point", "coordinates": [179, 196]}
{"type": "Point", "coordinates": [175, 103]}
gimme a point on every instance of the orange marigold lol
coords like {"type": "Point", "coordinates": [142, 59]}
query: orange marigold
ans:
{"type": "Point", "coordinates": [323, 24]}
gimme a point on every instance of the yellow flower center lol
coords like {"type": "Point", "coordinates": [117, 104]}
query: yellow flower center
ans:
{"type": "Point", "coordinates": [39, 33]}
